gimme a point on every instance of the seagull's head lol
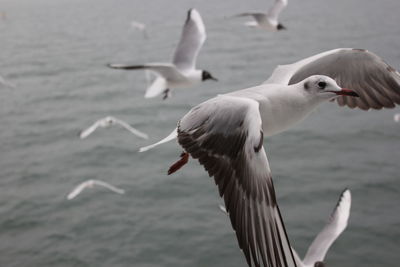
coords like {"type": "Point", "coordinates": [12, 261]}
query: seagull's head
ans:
{"type": "Point", "coordinates": [319, 264]}
{"type": "Point", "coordinates": [325, 88]}
{"type": "Point", "coordinates": [205, 75]}
{"type": "Point", "coordinates": [280, 27]}
{"type": "Point", "coordinates": [108, 121]}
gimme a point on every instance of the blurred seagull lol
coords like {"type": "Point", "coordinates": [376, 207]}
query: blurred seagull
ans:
{"type": "Point", "coordinates": [140, 27]}
{"type": "Point", "coordinates": [182, 72]}
{"type": "Point", "coordinates": [107, 122]}
{"type": "Point", "coordinates": [90, 184]}
{"type": "Point", "coordinates": [267, 21]}
{"type": "Point", "coordinates": [396, 117]}
{"type": "Point", "coordinates": [336, 225]}
{"type": "Point", "coordinates": [5, 83]}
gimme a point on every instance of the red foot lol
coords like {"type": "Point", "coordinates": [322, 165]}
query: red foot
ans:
{"type": "Point", "coordinates": [177, 165]}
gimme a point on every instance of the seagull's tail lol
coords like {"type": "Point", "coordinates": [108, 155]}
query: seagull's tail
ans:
{"type": "Point", "coordinates": [170, 137]}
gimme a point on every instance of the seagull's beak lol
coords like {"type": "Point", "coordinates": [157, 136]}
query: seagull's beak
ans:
{"type": "Point", "coordinates": [347, 92]}
{"type": "Point", "coordinates": [214, 79]}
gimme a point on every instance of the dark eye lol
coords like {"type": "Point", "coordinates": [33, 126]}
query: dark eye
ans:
{"type": "Point", "coordinates": [321, 85]}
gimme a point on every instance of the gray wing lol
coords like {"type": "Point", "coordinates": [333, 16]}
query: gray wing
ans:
{"type": "Point", "coordinates": [336, 225]}
{"type": "Point", "coordinates": [377, 83]}
{"type": "Point", "coordinates": [225, 135]}
{"type": "Point", "coordinates": [192, 38]}
{"type": "Point", "coordinates": [276, 9]}
{"type": "Point", "coordinates": [168, 71]}
{"type": "Point", "coordinates": [259, 17]}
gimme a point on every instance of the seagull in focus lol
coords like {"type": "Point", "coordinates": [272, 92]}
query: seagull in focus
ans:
{"type": "Point", "coordinates": [90, 184]}
{"type": "Point", "coordinates": [182, 72]}
{"type": "Point", "coordinates": [226, 134]}
{"type": "Point", "coordinates": [267, 21]}
{"type": "Point", "coordinates": [5, 83]}
{"type": "Point", "coordinates": [107, 122]}
{"type": "Point", "coordinates": [336, 225]}
{"type": "Point", "coordinates": [396, 117]}
{"type": "Point", "coordinates": [138, 26]}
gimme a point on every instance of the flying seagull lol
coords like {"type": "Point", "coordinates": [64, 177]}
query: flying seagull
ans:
{"type": "Point", "coordinates": [267, 21]}
{"type": "Point", "coordinates": [376, 83]}
{"type": "Point", "coordinates": [90, 184]}
{"type": "Point", "coordinates": [182, 72]}
{"type": "Point", "coordinates": [107, 122]}
{"type": "Point", "coordinates": [336, 225]}
{"type": "Point", "coordinates": [226, 135]}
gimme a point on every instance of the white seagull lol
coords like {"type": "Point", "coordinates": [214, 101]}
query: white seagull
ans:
{"type": "Point", "coordinates": [90, 184]}
{"type": "Point", "coordinates": [136, 25]}
{"type": "Point", "coordinates": [267, 21]}
{"type": "Point", "coordinates": [182, 72]}
{"type": "Point", "coordinates": [226, 134]}
{"type": "Point", "coordinates": [336, 225]}
{"type": "Point", "coordinates": [107, 122]}
{"type": "Point", "coordinates": [5, 83]}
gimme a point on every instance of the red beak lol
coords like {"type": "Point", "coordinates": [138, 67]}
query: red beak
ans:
{"type": "Point", "coordinates": [348, 92]}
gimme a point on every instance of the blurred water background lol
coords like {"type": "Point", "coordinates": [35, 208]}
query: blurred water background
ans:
{"type": "Point", "coordinates": [55, 51]}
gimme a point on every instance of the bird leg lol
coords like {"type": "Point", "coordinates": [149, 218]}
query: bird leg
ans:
{"type": "Point", "coordinates": [166, 94]}
{"type": "Point", "coordinates": [177, 165]}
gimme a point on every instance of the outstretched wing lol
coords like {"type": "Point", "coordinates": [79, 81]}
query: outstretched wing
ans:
{"type": "Point", "coordinates": [131, 129]}
{"type": "Point", "coordinates": [108, 186]}
{"type": "Point", "coordinates": [192, 39]}
{"type": "Point", "coordinates": [377, 83]}
{"type": "Point", "coordinates": [336, 225]}
{"type": "Point", "coordinates": [276, 9]}
{"type": "Point", "coordinates": [168, 71]}
{"type": "Point", "coordinates": [78, 189]}
{"type": "Point", "coordinates": [88, 131]}
{"type": "Point", "coordinates": [225, 135]}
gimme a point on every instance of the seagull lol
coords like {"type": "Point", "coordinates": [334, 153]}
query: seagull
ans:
{"type": "Point", "coordinates": [107, 122]}
{"type": "Point", "coordinates": [336, 225]}
{"type": "Point", "coordinates": [89, 184]}
{"type": "Point", "coordinates": [226, 134]}
{"type": "Point", "coordinates": [136, 25]}
{"type": "Point", "coordinates": [182, 72]}
{"type": "Point", "coordinates": [396, 117]}
{"type": "Point", "coordinates": [5, 83]}
{"type": "Point", "coordinates": [267, 21]}
{"type": "Point", "coordinates": [376, 83]}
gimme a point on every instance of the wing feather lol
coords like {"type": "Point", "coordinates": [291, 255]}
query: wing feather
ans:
{"type": "Point", "coordinates": [377, 83]}
{"type": "Point", "coordinates": [192, 39]}
{"type": "Point", "coordinates": [225, 135]}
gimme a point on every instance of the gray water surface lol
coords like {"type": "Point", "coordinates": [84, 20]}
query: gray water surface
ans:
{"type": "Point", "coordinates": [55, 51]}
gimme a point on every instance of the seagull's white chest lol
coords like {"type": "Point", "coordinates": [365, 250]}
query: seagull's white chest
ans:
{"type": "Point", "coordinates": [191, 78]}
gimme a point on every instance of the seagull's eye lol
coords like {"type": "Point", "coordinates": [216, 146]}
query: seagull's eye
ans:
{"type": "Point", "coordinates": [321, 85]}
